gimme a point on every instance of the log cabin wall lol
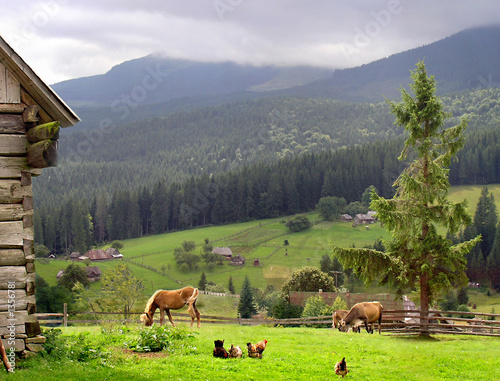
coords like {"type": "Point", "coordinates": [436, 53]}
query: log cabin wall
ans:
{"type": "Point", "coordinates": [18, 324]}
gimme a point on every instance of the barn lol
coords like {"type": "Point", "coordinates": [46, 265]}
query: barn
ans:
{"type": "Point", "coordinates": [31, 114]}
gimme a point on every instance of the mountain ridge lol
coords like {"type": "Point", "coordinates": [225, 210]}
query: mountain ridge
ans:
{"type": "Point", "coordinates": [465, 60]}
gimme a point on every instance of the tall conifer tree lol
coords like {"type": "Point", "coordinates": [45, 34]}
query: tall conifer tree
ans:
{"type": "Point", "coordinates": [417, 256]}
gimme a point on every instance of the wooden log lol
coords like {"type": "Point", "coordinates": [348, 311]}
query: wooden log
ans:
{"type": "Point", "coordinates": [30, 114]}
{"type": "Point", "coordinates": [43, 154]}
{"type": "Point", "coordinates": [13, 276]}
{"type": "Point", "coordinates": [13, 192]}
{"type": "Point", "coordinates": [5, 359]}
{"type": "Point", "coordinates": [11, 167]}
{"type": "Point", "coordinates": [25, 178]}
{"type": "Point", "coordinates": [12, 124]}
{"type": "Point", "coordinates": [12, 257]}
{"type": "Point", "coordinates": [12, 108]}
{"type": "Point", "coordinates": [27, 99]}
{"type": "Point", "coordinates": [43, 132]}
{"type": "Point", "coordinates": [12, 145]}
{"type": "Point", "coordinates": [28, 203]}
{"type": "Point", "coordinates": [13, 233]}
{"type": "Point", "coordinates": [17, 317]}
{"type": "Point", "coordinates": [13, 212]}
{"type": "Point", "coordinates": [13, 300]}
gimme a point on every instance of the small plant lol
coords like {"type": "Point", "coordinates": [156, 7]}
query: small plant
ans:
{"type": "Point", "coordinates": [159, 338]}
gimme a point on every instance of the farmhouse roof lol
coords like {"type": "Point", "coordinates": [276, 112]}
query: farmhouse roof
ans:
{"type": "Point", "coordinates": [41, 93]}
{"type": "Point", "coordinates": [93, 271]}
{"type": "Point", "coordinates": [226, 251]}
{"type": "Point", "coordinates": [98, 255]}
{"type": "Point", "coordinates": [75, 255]}
{"type": "Point", "coordinates": [238, 259]}
{"type": "Point", "coordinates": [114, 252]}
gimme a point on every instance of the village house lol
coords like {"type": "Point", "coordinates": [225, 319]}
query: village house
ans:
{"type": "Point", "coordinates": [362, 219]}
{"type": "Point", "coordinates": [345, 218]}
{"type": "Point", "coordinates": [237, 260]}
{"type": "Point", "coordinates": [31, 114]}
{"type": "Point", "coordinates": [93, 273]}
{"type": "Point", "coordinates": [224, 251]}
{"type": "Point", "coordinates": [74, 256]}
{"type": "Point", "coordinates": [114, 253]}
{"type": "Point", "coordinates": [98, 255]}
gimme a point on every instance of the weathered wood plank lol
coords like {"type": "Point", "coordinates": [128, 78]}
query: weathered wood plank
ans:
{"type": "Point", "coordinates": [14, 275]}
{"type": "Point", "coordinates": [13, 145]}
{"type": "Point", "coordinates": [12, 108]}
{"type": "Point", "coordinates": [43, 154]}
{"type": "Point", "coordinates": [12, 257]}
{"type": "Point", "coordinates": [13, 192]}
{"type": "Point", "coordinates": [12, 234]}
{"type": "Point", "coordinates": [43, 132]}
{"type": "Point", "coordinates": [30, 114]}
{"type": "Point", "coordinates": [13, 88]}
{"type": "Point", "coordinates": [11, 167]}
{"type": "Point", "coordinates": [20, 318]}
{"type": "Point", "coordinates": [3, 83]}
{"type": "Point", "coordinates": [26, 98]}
{"type": "Point", "coordinates": [13, 300]}
{"type": "Point", "coordinates": [14, 212]}
{"type": "Point", "coordinates": [12, 124]}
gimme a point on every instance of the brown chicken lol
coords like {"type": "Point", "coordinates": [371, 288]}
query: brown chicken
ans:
{"type": "Point", "coordinates": [341, 368]}
{"type": "Point", "coordinates": [255, 350]}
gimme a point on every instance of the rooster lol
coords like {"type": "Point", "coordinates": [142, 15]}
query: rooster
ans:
{"type": "Point", "coordinates": [219, 350]}
{"type": "Point", "coordinates": [255, 350]}
{"type": "Point", "coordinates": [341, 368]}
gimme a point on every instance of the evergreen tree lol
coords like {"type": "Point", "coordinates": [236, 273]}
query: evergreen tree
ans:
{"type": "Point", "coordinates": [485, 221]}
{"type": "Point", "coordinates": [246, 305]}
{"type": "Point", "coordinates": [202, 284]}
{"type": "Point", "coordinates": [418, 257]}
{"type": "Point", "coordinates": [493, 262]}
{"type": "Point", "coordinates": [230, 286]}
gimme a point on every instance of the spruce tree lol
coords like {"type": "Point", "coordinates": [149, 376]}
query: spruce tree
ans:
{"type": "Point", "coordinates": [202, 284]}
{"type": "Point", "coordinates": [417, 256]}
{"type": "Point", "coordinates": [493, 262]}
{"type": "Point", "coordinates": [246, 306]}
{"type": "Point", "coordinates": [485, 221]}
{"type": "Point", "coordinates": [230, 286]}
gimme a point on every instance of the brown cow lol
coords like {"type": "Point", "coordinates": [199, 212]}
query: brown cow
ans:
{"type": "Point", "coordinates": [337, 316]}
{"type": "Point", "coordinates": [362, 313]}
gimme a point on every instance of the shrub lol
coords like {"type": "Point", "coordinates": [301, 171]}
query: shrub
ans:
{"type": "Point", "coordinates": [298, 224]}
{"type": "Point", "coordinates": [464, 308]}
{"type": "Point", "coordinates": [159, 338]}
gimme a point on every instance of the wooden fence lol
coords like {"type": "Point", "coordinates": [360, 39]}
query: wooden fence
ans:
{"type": "Point", "coordinates": [405, 322]}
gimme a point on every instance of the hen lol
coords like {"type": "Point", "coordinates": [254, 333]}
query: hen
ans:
{"type": "Point", "coordinates": [255, 350]}
{"type": "Point", "coordinates": [341, 368]}
{"type": "Point", "coordinates": [235, 352]}
{"type": "Point", "coordinates": [219, 350]}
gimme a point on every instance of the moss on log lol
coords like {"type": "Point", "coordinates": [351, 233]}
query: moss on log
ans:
{"type": "Point", "coordinates": [43, 132]}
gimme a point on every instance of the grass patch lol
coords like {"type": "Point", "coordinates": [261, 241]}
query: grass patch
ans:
{"type": "Point", "coordinates": [291, 354]}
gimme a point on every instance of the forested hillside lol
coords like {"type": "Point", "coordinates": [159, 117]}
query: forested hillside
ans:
{"type": "Point", "coordinates": [217, 139]}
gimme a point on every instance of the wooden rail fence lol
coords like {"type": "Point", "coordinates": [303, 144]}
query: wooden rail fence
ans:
{"type": "Point", "coordinates": [406, 322]}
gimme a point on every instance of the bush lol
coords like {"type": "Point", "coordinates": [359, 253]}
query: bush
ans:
{"type": "Point", "coordinates": [159, 338]}
{"type": "Point", "coordinates": [464, 308]}
{"type": "Point", "coordinates": [316, 306]}
{"type": "Point", "coordinates": [298, 224]}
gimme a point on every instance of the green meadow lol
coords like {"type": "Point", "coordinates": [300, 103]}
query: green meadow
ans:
{"type": "Point", "coordinates": [99, 353]}
{"type": "Point", "coordinates": [255, 240]}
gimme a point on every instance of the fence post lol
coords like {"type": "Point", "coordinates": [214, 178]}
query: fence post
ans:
{"type": "Point", "coordinates": [239, 318]}
{"type": "Point", "coordinates": [65, 313]}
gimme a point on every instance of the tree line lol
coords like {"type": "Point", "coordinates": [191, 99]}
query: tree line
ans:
{"type": "Point", "coordinates": [286, 187]}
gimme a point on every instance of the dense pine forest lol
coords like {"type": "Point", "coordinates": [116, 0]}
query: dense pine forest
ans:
{"type": "Point", "coordinates": [272, 158]}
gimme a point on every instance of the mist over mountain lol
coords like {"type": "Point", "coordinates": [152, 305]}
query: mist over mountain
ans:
{"type": "Point", "coordinates": [466, 60]}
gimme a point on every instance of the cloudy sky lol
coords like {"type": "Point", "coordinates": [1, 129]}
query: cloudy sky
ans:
{"type": "Point", "coordinates": [63, 39]}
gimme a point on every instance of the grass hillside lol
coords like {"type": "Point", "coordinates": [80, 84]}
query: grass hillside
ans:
{"type": "Point", "coordinates": [262, 240]}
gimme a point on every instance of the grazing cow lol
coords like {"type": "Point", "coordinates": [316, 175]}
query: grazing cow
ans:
{"type": "Point", "coordinates": [362, 313]}
{"type": "Point", "coordinates": [338, 315]}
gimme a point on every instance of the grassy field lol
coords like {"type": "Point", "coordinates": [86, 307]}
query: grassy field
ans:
{"type": "Point", "coordinates": [291, 354]}
{"type": "Point", "coordinates": [262, 240]}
